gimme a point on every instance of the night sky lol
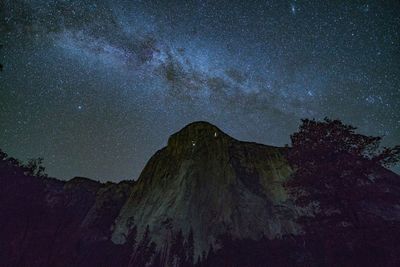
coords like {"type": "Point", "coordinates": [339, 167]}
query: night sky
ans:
{"type": "Point", "coordinates": [96, 87]}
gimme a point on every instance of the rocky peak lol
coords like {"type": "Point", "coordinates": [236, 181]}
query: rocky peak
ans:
{"type": "Point", "coordinates": [198, 136]}
{"type": "Point", "coordinates": [212, 183]}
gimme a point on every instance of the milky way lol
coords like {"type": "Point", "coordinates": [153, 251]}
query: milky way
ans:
{"type": "Point", "coordinates": [96, 87]}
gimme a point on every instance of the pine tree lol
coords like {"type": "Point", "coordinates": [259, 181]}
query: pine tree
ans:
{"type": "Point", "coordinates": [156, 262]}
{"type": "Point", "coordinates": [177, 253]}
{"type": "Point", "coordinates": [189, 249]}
{"type": "Point", "coordinates": [144, 252]}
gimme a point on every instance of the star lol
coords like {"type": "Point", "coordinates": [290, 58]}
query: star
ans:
{"type": "Point", "coordinates": [140, 72]}
{"type": "Point", "coordinates": [293, 8]}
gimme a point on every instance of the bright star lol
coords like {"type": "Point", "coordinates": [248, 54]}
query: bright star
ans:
{"type": "Point", "coordinates": [293, 8]}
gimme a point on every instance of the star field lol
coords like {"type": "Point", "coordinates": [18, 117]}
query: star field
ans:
{"type": "Point", "coordinates": [96, 87]}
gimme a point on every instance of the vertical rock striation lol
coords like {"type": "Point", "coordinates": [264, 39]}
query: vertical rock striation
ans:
{"type": "Point", "coordinates": [212, 183]}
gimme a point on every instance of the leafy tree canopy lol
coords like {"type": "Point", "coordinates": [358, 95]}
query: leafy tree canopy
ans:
{"type": "Point", "coordinates": [332, 162]}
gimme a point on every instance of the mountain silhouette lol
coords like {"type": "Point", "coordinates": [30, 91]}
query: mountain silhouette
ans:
{"type": "Point", "coordinates": [212, 183]}
{"type": "Point", "coordinates": [203, 191]}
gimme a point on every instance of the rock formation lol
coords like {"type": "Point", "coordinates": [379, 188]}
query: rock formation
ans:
{"type": "Point", "coordinates": [212, 183]}
{"type": "Point", "coordinates": [203, 182]}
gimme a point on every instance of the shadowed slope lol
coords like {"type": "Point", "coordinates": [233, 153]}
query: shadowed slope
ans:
{"type": "Point", "coordinates": [208, 181]}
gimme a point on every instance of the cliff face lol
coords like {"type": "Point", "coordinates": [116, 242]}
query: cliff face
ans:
{"type": "Point", "coordinates": [48, 222]}
{"type": "Point", "coordinates": [212, 183]}
{"type": "Point", "coordinates": [204, 182]}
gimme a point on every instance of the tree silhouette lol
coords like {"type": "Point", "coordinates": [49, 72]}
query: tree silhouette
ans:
{"type": "Point", "coordinates": [157, 262]}
{"type": "Point", "coordinates": [189, 249]}
{"type": "Point", "coordinates": [34, 167]}
{"type": "Point", "coordinates": [177, 252]}
{"type": "Point", "coordinates": [144, 251]}
{"type": "Point", "coordinates": [129, 246]}
{"type": "Point", "coordinates": [3, 155]}
{"type": "Point", "coordinates": [332, 163]}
